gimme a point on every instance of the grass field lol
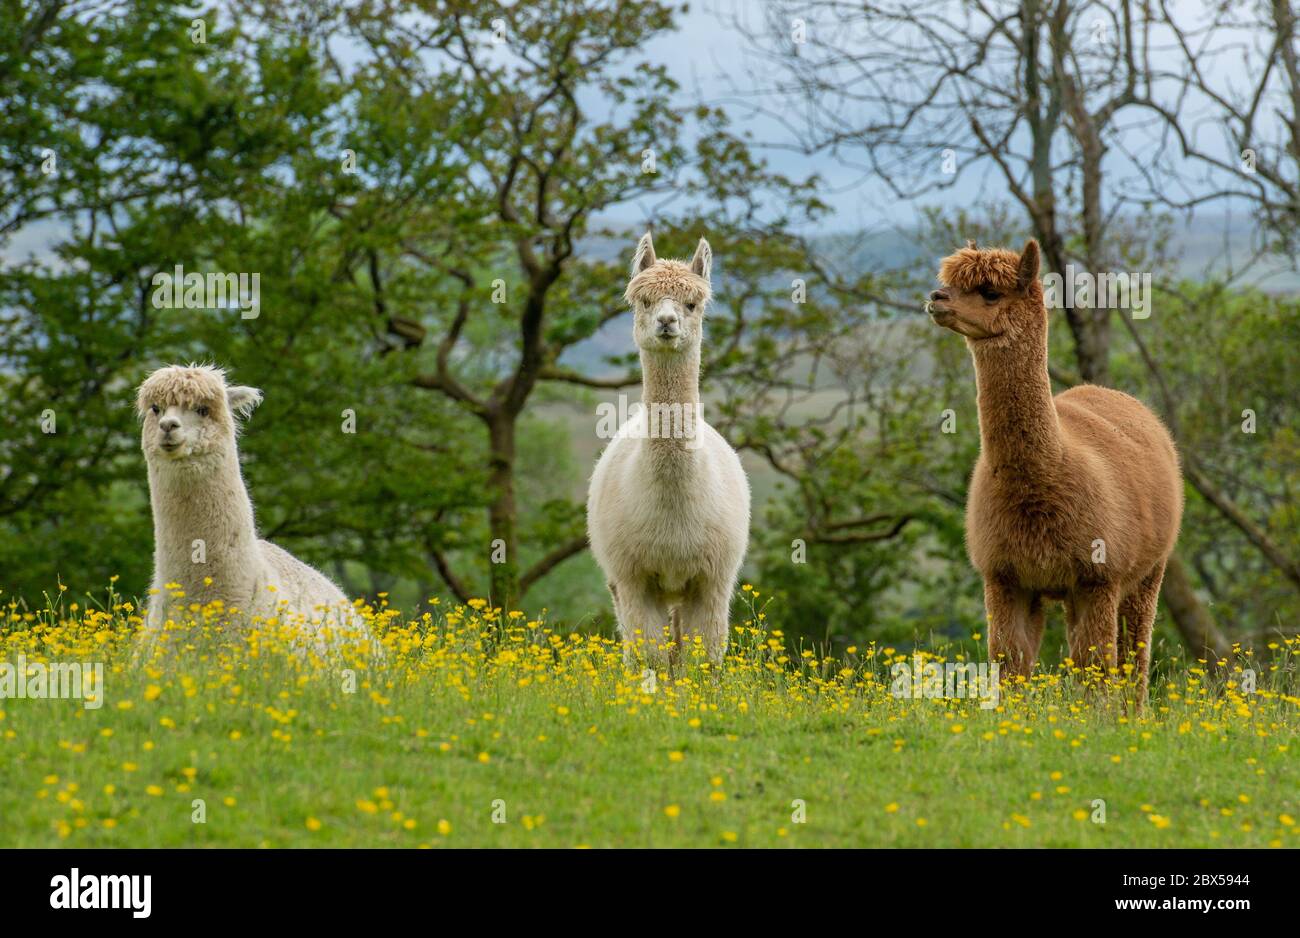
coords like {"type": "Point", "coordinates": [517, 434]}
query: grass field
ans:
{"type": "Point", "coordinates": [479, 731]}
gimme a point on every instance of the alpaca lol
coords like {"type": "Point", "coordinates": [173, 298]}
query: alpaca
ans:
{"type": "Point", "coordinates": [204, 535]}
{"type": "Point", "coordinates": [668, 513]}
{"type": "Point", "coordinates": [1075, 498]}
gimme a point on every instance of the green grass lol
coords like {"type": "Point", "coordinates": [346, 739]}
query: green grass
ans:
{"type": "Point", "coordinates": [551, 733]}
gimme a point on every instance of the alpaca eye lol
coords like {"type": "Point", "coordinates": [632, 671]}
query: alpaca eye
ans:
{"type": "Point", "coordinates": [990, 294]}
{"type": "Point", "coordinates": [156, 409]}
{"type": "Point", "coordinates": [691, 307]}
{"type": "Point", "coordinates": [202, 411]}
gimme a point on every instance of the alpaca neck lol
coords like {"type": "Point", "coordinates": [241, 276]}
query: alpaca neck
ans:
{"type": "Point", "coordinates": [670, 394]}
{"type": "Point", "coordinates": [208, 503]}
{"type": "Point", "coordinates": [1018, 422]}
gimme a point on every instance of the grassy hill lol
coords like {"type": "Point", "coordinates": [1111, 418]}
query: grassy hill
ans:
{"type": "Point", "coordinates": [477, 732]}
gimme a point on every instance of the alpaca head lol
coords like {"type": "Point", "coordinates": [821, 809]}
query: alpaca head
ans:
{"type": "Point", "coordinates": [990, 296]}
{"type": "Point", "coordinates": [189, 414]}
{"type": "Point", "coordinates": [668, 298]}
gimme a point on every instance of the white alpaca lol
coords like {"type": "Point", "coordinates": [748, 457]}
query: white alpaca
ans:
{"type": "Point", "coordinates": [204, 537]}
{"type": "Point", "coordinates": [668, 506]}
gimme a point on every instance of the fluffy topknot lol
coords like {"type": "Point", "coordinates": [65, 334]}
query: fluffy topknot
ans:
{"type": "Point", "coordinates": [971, 267]}
{"type": "Point", "coordinates": [190, 386]}
{"type": "Point", "coordinates": [669, 278]}
{"type": "Point", "coordinates": [184, 385]}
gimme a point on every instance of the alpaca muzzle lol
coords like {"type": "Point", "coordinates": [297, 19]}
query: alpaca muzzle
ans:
{"type": "Point", "coordinates": [934, 305]}
{"type": "Point", "coordinates": [171, 444]}
{"type": "Point", "coordinates": [667, 326]}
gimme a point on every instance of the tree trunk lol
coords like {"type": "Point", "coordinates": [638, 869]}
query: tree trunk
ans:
{"type": "Point", "coordinates": [502, 513]}
{"type": "Point", "coordinates": [1193, 620]}
{"type": "Point", "coordinates": [1091, 326]}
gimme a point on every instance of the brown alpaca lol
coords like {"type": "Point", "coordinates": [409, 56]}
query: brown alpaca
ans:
{"type": "Point", "coordinates": [1076, 497]}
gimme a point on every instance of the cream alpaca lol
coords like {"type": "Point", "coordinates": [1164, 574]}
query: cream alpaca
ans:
{"type": "Point", "coordinates": [668, 511]}
{"type": "Point", "coordinates": [204, 534]}
{"type": "Point", "coordinates": [1075, 497]}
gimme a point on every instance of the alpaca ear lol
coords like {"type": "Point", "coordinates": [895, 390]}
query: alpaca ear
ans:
{"type": "Point", "coordinates": [702, 262]}
{"type": "Point", "coordinates": [645, 254]}
{"type": "Point", "coordinates": [242, 400]}
{"type": "Point", "coordinates": [1029, 261]}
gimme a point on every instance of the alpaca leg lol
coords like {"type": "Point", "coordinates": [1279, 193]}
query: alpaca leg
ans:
{"type": "Point", "coordinates": [149, 639]}
{"type": "Point", "coordinates": [1036, 618]}
{"type": "Point", "coordinates": [675, 639]}
{"type": "Point", "coordinates": [643, 624]}
{"type": "Point", "coordinates": [1093, 626]}
{"type": "Point", "coordinates": [1137, 612]}
{"type": "Point", "coordinates": [707, 615]}
{"type": "Point", "coordinates": [1015, 626]}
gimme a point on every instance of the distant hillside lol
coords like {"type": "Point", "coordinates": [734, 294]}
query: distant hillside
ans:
{"type": "Point", "coordinates": [1209, 245]}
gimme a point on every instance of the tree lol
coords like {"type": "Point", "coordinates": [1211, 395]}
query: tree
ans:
{"type": "Point", "coordinates": [1237, 71]}
{"type": "Point", "coordinates": [94, 142]}
{"type": "Point", "coordinates": [211, 149]}
{"type": "Point", "coordinates": [559, 121]}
